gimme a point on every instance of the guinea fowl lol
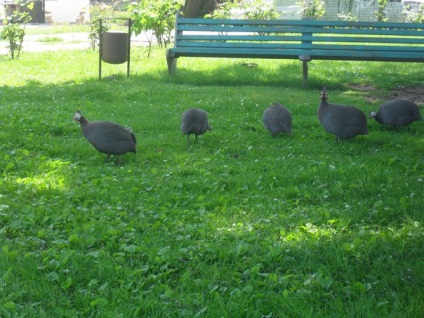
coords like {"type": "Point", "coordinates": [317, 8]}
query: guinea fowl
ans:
{"type": "Point", "coordinates": [400, 112]}
{"type": "Point", "coordinates": [107, 137]}
{"type": "Point", "coordinates": [343, 121]}
{"type": "Point", "coordinates": [194, 121]}
{"type": "Point", "coordinates": [276, 119]}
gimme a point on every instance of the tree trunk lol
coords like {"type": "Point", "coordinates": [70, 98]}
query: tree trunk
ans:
{"type": "Point", "coordinates": [198, 8]}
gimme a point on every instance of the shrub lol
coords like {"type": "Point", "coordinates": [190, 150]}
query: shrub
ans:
{"type": "Point", "coordinates": [14, 29]}
{"type": "Point", "coordinates": [414, 16]}
{"type": "Point", "coordinates": [224, 11]}
{"type": "Point", "coordinates": [381, 12]}
{"type": "Point", "coordinates": [312, 9]}
{"type": "Point", "coordinates": [155, 16]}
{"type": "Point", "coordinates": [99, 11]}
{"type": "Point", "coordinates": [347, 16]}
{"type": "Point", "coordinates": [257, 10]}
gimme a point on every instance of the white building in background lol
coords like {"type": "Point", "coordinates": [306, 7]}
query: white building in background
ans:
{"type": "Point", "coordinates": [53, 11]}
{"type": "Point", "coordinates": [67, 11]}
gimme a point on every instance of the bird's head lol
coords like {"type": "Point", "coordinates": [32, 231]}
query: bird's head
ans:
{"type": "Point", "coordinates": [324, 94]}
{"type": "Point", "coordinates": [77, 116]}
{"type": "Point", "coordinates": [373, 114]}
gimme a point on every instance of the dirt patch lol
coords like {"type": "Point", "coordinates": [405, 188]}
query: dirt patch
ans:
{"type": "Point", "coordinates": [414, 94]}
{"type": "Point", "coordinates": [362, 87]}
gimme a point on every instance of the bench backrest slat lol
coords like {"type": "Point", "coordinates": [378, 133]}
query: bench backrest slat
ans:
{"type": "Point", "coordinates": [300, 29]}
{"type": "Point", "coordinates": [287, 30]}
{"type": "Point", "coordinates": [330, 46]}
{"type": "Point", "coordinates": [318, 23]}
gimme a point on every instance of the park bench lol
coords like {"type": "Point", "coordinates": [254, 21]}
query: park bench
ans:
{"type": "Point", "coordinates": [305, 40]}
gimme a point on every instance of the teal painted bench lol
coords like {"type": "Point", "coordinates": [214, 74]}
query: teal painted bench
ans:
{"type": "Point", "coordinates": [305, 40]}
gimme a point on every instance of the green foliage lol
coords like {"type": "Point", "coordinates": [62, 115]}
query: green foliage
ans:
{"type": "Point", "coordinates": [414, 16]}
{"type": "Point", "coordinates": [59, 28]}
{"type": "Point", "coordinates": [14, 33]}
{"type": "Point", "coordinates": [259, 10]}
{"type": "Point", "coordinates": [256, 10]}
{"type": "Point", "coordinates": [98, 25]}
{"type": "Point", "coordinates": [347, 17]}
{"type": "Point", "coordinates": [14, 28]}
{"type": "Point", "coordinates": [381, 12]}
{"type": "Point", "coordinates": [155, 16]}
{"type": "Point", "coordinates": [50, 39]}
{"type": "Point", "coordinates": [224, 10]}
{"type": "Point", "coordinates": [239, 224]}
{"type": "Point", "coordinates": [99, 15]}
{"type": "Point", "coordinates": [312, 9]}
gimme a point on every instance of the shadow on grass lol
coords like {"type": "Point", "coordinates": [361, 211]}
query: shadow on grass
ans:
{"type": "Point", "coordinates": [332, 74]}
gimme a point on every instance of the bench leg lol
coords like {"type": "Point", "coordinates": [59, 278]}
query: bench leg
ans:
{"type": "Point", "coordinates": [172, 63]}
{"type": "Point", "coordinates": [305, 72]}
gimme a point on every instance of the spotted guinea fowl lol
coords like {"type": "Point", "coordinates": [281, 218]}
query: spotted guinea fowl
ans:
{"type": "Point", "coordinates": [107, 137]}
{"type": "Point", "coordinates": [277, 119]}
{"type": "Point", "coordinates": [343, 121]}
{"type": "Point", "coordinates": [399, 112]}
{"type": "Point", "coordinates": [194, 121]}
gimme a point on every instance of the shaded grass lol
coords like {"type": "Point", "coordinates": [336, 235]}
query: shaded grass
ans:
{"type": "Point", "coordinates": [239, 224]}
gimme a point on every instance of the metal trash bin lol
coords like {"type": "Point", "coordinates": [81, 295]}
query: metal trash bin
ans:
{"type": "Point", "coordinates": [114, 47]}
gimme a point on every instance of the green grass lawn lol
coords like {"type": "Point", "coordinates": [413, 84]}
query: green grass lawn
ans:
{"type": "Point", "coordinates": [49, 29]}
{"type": "Point", "coordinates": [239, 224]}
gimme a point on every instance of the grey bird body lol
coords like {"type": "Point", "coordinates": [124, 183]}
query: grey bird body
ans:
{"type": "Point", "coordinates": [194, 121]}
{"type": "Point", "coordinates": [107, 137]}
{"type": "Point", "coordinates": [343, 121]}
{"type": "Point", "coordinates": [400, 112]}
{"type": "Point", "coordinates": [277, 119]}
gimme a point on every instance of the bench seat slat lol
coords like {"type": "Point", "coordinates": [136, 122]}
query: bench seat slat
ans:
{"type": "Point", "coordinates": [296, 52]}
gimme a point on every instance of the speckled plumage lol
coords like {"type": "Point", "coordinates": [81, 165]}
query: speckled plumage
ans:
{"type": "Point", "coordinates": [194, 121]}
{"type": "Point", "coordinates": [277, 119]}
{"type": "Point", "coordinates": [343, 121]}
{"type": "Point", "coordinates": [107, 137]}
{"type": "Point", "coordinates": [399, 112]}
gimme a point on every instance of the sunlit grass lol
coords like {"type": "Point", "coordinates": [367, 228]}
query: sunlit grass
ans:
{"type": "Point", "coordinates": [239, 224]}
{"type": "Point", "coordinates": [50, 39]}
{"type": "Point", "coordinates": [57, 28]}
